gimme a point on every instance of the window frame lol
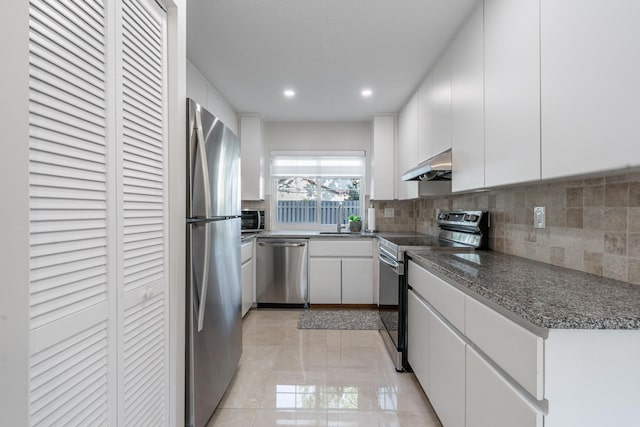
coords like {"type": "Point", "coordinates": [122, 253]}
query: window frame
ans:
{"type": "Point", "coordinates": [315, 226]}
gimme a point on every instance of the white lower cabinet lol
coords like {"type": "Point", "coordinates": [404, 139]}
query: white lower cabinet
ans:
{"type": "Point", "coordinates": [247, 286]}
{"type": "Point", "coordinates": [325, 281]}
{"type": "Point", "coordinates": [248, 275]}
{"type": "Point", "coordinates": [418, 321]}
{"type": "Point", "coordinates": [516, 350]}
{"type": "Point", "coordinates": [462, 385]}
{"type": "Point", "coordinates": [488, 370]}
{"type": "Point", "coordinates": [341, 271]}
{"type": "Point", "coordinates": [447, 373]}
{"type": "Point", "coordinates": [493, 402]}
{"type": "Point", "coordinates": [357, 281]}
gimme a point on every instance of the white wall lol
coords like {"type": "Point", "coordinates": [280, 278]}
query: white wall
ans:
{"type": "Point", "coordinates": [177, 67]}
{"type": "Point", "coordinates": [200, 90]}
{"type": "Point", "coordinates": [331, 136]}
{"type": "Point", "coordinates": [14, 211]}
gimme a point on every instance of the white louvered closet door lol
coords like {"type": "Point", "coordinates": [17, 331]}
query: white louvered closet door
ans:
{"type": "Point", "coordinates": [98, 220]}
{"type": "Point", "coordinates": [72, 357]}
{"type": "Point", "coordinates": [142, 289]}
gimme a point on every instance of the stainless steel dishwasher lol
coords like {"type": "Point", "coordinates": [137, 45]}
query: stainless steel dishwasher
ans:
{"type": "Point", "coordinates": [282, 278]}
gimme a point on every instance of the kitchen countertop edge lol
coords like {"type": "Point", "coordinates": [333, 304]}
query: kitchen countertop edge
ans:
{"type": "Point", "coordinates": [537, 321]}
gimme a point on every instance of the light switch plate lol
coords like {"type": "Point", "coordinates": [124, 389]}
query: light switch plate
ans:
{"type": "Point", "coordinates": [539, 217]}
{"type": "Point", "coordinates": [388, 212]}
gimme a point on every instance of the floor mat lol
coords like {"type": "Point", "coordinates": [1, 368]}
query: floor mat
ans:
{"type": "Point", "coordinates": [339, 319]}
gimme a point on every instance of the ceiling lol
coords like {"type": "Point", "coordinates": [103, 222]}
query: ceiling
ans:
{"type": "Point", "coordinates": [325, 50]}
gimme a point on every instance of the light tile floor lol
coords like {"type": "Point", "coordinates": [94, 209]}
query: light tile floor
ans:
{"type": "Point", "coordinates": [304, 377]}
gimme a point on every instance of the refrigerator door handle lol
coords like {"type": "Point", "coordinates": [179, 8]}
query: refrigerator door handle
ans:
{"type": "Point", "coordinates": [202, 304]}
{"type": "Point", "coordinates": [207, 211]}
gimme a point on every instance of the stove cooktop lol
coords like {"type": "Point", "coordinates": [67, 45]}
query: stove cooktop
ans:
{"type": "Point", "coordinates": [459, 230]}
{"type": "Point", "coordinates": [412, 241]}
{"type": "Point", "coordinates": [397, 245]}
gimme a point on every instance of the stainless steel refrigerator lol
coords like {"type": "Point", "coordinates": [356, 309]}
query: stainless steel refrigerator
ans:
{"type": "Point", "coordinates": [213, 309]}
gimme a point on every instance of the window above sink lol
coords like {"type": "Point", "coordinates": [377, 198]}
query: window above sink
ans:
{"type": "Point", "coordinates": [307, 189]}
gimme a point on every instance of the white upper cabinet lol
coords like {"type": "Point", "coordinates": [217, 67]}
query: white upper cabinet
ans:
{"type": "Point", "coordinates": [512, 91]}
{"type": "Point", "coordinates": [252, 157]}
{"type": "Point", "coordinates": [441, 104]}
{"type": "Point", "coordinates": [425, 113]}
{"type": "Point", "coordinates": [383, 173]}
{"type": "Point", "coordinates": [467, 105]}
{"type": "Point", "coordinates": [590, 87]}
{"type": "Point", "coordinates": [434, 110]}
{"type": "Point", "coordinates": [407, 148]}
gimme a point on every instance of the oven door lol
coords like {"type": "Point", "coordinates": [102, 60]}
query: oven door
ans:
{"type": "Point", "coordinates": [392, 300]}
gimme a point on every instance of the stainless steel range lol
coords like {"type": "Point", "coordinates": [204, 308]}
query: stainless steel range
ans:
{"type": "Point", "coordinates": [459, 231]}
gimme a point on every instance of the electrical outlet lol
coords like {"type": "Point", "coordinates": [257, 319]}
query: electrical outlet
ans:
{"type": "Point", "coordinates": [539, 217]}
{"type": "Point", "coordinates": [388, 212]}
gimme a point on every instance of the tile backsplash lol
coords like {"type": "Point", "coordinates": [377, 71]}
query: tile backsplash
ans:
{"type": "Point", "coordinates": [592, 225]}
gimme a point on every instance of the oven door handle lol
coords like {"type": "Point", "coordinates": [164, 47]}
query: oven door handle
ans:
{"type": "Point", "coordinates": [386, 259]}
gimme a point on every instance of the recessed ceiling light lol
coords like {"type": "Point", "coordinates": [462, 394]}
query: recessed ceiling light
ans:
{"type": "Point", "coordinates": [366, 92]}
{"type": "Point", "coordinates": [289, 93]}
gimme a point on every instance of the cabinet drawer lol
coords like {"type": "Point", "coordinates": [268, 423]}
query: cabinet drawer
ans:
{"type": "Point", "coordinates": [491, 401]}
{"type": "Point", "coordinates": [447, 300]}
{"type": "Point", "coordinates": [344, 247]}
{"type": "Point", "coordinates": [246, 252]}
{"type": "Point", "coordinates": [516, 350]}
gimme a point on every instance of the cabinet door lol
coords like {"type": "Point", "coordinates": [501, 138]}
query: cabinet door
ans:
{"type": "Point", "coordinates": [357, 281]}
{"type": "Point", "coordinates": [447, 374]}
{"type": "Point", "coordinates": [425, 125]}
{"type": "Point", "coordinates": [383, 171]}
{"type": "Point", "coordinates": [252, 156]}
{"type": "Point", "coordinates": [492, 401]}
{"type": "Point", "coordinates": [467, 105]}
{"type": "Point", "coordinates": [407, 148]}
{"type": "Point", "coordinates": [247, 286]}
{"type": "Point", "coordinates": [441, 104]}
{"type": "Point", "coordinates": [325, 277]}
{"type": "Point", "coordinates": [512, 91]}
{"type": "Point", "coordinates": [590, 87]}
{"type": "Point", "coordinates": [418, 324]}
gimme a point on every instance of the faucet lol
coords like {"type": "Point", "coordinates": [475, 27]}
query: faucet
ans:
{"type": "Point", "coordinates": [340, 215]}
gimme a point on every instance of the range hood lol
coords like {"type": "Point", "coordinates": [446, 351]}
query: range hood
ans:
{"type": "Point", "coordinates": [437, 168]}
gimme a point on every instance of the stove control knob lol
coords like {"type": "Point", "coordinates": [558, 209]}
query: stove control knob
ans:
{"type": "Point", "coordinates": [442, 216]}
{"type": "Point", "coordinates": [471, 218]}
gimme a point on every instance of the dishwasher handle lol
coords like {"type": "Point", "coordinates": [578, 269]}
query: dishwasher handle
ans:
{"type": "Point", "coordinates": [283, 244]}
{"type": "Point", "coordinates": [396, 266]}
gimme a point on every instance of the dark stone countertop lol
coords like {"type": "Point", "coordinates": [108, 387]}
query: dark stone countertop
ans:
{"type": "Point", "coordinates": [544, 295]}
